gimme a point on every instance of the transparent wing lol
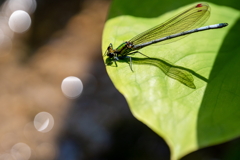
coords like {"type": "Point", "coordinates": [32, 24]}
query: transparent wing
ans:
{"type": "Point", "coordinates": [191, 18]}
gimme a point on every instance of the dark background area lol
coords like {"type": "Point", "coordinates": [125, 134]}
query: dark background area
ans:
{"type": "Point", "coordinates": [65, 40]}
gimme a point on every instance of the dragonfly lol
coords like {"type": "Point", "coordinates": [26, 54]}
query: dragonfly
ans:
{"type": "Point", "coordinates": [177, 27]}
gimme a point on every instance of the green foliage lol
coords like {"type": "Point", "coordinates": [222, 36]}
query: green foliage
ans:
{"type": "Point", "coordinates": [187, 118]}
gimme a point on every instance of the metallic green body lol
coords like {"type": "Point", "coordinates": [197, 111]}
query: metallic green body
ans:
{"type": "Point", "coordinates": [123, 50]}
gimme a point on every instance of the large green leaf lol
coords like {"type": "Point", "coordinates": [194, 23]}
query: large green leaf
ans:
{"type": "Point", "coordinates": [187, 118]}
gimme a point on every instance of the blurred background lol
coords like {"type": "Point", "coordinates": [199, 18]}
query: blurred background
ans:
{"type": "Point", "coordinates": [56, 99]}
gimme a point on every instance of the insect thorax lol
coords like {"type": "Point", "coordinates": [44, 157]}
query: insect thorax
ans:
{"type": "Point", "coordinates": [124, 48]}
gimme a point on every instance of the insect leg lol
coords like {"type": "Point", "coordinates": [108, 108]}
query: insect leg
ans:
{"type": "Point", "coordinates": [115, 59]}
{"type": "Point", "coordinates": [130, 62]}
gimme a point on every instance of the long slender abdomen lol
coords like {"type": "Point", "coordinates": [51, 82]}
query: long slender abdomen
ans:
{"type": "Point", "coordinates": [214, 26]}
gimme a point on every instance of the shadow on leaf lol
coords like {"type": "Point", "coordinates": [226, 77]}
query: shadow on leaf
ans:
{"type": "Point", "coordinates": [181, 74]}
{"type": "Point", "coordinates": [218, 117]}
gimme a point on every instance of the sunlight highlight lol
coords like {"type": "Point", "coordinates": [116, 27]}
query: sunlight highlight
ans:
{"type": "Point", "coordinates": [43, 122]}
{"type": "Point", "coordinates": [72, 87]}
{"type": "Point", "coordinates": [21, 151]}
{"type": "Point", "coordinates": [19, 21]}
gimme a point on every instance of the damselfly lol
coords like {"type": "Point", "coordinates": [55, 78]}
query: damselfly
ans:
{"type": "Point", "coordinates": [172, 30]}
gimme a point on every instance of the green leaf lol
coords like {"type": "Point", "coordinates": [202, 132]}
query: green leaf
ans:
{"type": "Point", "coordinates": [187, 118]}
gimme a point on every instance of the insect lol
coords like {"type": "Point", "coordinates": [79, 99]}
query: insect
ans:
{"type": "Point", "coordinates": [175, 28]}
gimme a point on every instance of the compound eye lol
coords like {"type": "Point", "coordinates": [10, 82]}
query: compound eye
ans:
{"type": "Point", "coordinates": [110, 55]}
